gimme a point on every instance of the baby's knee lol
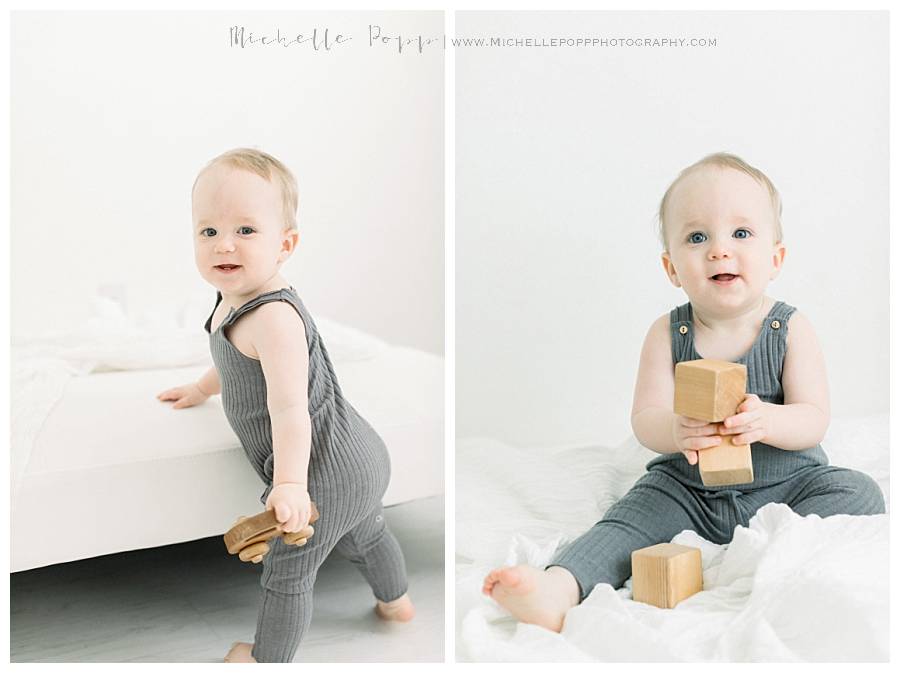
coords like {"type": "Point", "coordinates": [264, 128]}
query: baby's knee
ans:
{"type": "Point", "coordinates": [870, 496]}
{"type": "Point", "coordinates": [861, 493]}
{"type": "Point", "coordinates": [286, 577]}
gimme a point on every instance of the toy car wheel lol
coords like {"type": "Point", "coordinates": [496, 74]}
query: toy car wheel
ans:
{"type": "Point", "coordinates": [254, 552]}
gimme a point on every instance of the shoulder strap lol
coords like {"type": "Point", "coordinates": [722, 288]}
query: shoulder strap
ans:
{"type": "Point", "coordinates": [208, 322]}
{"type": "Point", "coordinates": [681, 330]}
{"type": "Point", "coordinates": [264, 298]}
{"type": "Point", "coordinates": [772, 340]}
{"type": "Point", "coordinates": [765, 360]}
{"type": "Point", "coordinates": [288, 296]}
{"type": "Point", "coordinates": [781, 312]}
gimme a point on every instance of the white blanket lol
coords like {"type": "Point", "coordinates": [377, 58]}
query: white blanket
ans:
{"type": "Point", "coordinates": [787, 588]}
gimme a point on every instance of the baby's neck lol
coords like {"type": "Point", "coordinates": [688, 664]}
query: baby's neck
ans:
{"type": "Point", "coordinates": [276, 282]}
{"type": "Point", "coordinates": [728, 337]}
{"type": "Point", "coordinates": [733, 323]}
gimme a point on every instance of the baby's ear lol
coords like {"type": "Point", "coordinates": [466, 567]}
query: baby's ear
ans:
{"type": "Point", "coordinates": [289, 242]}
{"type": "Point", "coordinates": [777, 260]}
{"type": "Point", "coordinates": [669, 268]}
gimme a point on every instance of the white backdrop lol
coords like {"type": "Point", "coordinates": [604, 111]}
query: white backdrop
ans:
{"type": "Point", "coordinates": [563, 155]}
{"type": "Point", "coordinates": [113, 114]}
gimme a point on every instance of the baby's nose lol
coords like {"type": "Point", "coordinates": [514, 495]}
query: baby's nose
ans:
{"type": "Point", "coordinates": [718, 250]}
{"type": "Point", "coordinates": [224, 244]}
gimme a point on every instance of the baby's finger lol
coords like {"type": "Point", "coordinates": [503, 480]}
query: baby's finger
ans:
{"type": "Point", "coordinates": [689, 422]}
{"type": "Point", "coordinates": [296, 520]}
{"type": "Point", "coordinates": [700, 443]}
{"type": "Point", "coordinates": [731, 432]}
{"type": "Point", "coordinates": [750, 402]}
{"type": "Point", "coordinates": [304, 520]}
{"type": "Point", "coordinates": [282, 514]}
{"type": "Point", "coordinates": [749, 437]}
{"type": "Point", "coordinates": [691, 456]}
{"type": "Point", "coordinates": [744, 418]}
{"type": "Point", "coordinates": [702, 431]}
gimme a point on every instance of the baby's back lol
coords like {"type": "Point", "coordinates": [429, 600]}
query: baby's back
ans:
{"type": "Point", "coordinates": [346, 452]}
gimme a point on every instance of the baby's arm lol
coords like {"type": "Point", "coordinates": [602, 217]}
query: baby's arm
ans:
{"type": "Point", "coordinates": [278, 335]}
{"type": "Point", "coordinates": [209, 383]}
{"type": "Point", "coordinates": [654, 422]}
{"type": "Point", "coordinates": [802, 420]}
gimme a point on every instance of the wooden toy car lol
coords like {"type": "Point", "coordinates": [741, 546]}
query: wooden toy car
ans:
{"type": "Point", "coordinates": [247, 538]}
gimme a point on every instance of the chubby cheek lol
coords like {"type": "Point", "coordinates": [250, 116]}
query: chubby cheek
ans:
{"type": "Point", "coordinates": [760, 271]}
{"type": "Point", "coordinates": [689, 275]}
{"type": "Point", "coordinates": [201, 260]}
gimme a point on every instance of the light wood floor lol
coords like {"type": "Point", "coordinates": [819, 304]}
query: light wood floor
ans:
{"type": "Point", "coordinates": [189, 602]}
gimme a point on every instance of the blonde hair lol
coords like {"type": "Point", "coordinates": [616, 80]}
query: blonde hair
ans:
{"type": "Point", "coordinates": [266, 166]}
{"type": "Point", "coordinates": [724, 160]}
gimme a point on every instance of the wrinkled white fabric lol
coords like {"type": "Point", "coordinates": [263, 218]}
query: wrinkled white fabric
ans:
{"type": "Point", "coordinates": [787, 588]}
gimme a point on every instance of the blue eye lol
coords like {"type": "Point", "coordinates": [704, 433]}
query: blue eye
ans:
{"type": "Point", "coordinates": [742, 233]}
{"type": "Point", "coordinates": [203, 231]}
{"type": "Point", "coordinates": [246, 230]}
{"type": "Point", "coordinates": [697, 237]}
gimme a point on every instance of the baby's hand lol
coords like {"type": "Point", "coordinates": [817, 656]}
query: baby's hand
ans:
{"type": "Point", "coordinates": [692, 435]}
{"type": "Point", "coordinates": [185, 396]}
{"type": "Point", "coordinates": [291, 505]}
{"type": "Point", "coordinates": [751, 423]}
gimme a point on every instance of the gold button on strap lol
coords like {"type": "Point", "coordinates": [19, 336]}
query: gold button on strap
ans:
{"type": "Point", "coordinates": [683, 329]}
{"type": "Point", "coordinates": [776, 324]}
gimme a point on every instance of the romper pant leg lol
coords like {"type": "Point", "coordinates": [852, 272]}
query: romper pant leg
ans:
{"type": "Point", "coordinates": [289, 573]}
{"type": "Point", "coordinates": [827, 490]}
{"type": "Point", "coordinates": [282, 622]}
{"type": "Point", "coordinates": [286, 603]}
{"type": "Point", "coordinates": [374, 550]}
{"type": "Point", "coordinates": [655, 510]}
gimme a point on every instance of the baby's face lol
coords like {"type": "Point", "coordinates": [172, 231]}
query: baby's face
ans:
{"type": "Point", "coordinates": [240, 239]}
{"type": "Point", "coordinates": [720, 230]}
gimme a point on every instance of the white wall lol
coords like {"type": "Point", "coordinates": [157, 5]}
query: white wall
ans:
{"type": "Point", "coordinates": [563, 155]}
{"type": "Point", "coordinates": [114, 113]}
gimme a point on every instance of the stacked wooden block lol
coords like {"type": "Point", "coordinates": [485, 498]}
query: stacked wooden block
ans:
{"type": "Point", "coordinates": [711, 390]}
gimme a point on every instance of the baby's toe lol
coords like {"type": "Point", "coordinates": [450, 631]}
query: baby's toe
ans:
{"type": "Point", "coordinates": [491, 580]}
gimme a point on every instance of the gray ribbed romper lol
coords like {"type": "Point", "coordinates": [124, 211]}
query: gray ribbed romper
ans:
{"type": "Point", "coordinates": [671, 497]}
{"type": "Point", "coordinates": [349, 469]}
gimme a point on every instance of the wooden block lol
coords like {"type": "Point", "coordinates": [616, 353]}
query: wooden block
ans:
{"type": "Point", "coordinates": [665, 574]}
{"type": "Point", "coordinates": [710, 390]}
{"type": "Point", "coordinates": [726, 464]}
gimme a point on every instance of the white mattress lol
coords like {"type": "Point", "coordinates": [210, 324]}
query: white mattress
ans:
{"type": "Point", "coordinates": [114, 469]}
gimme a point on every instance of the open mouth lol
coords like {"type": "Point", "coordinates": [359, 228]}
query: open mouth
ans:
{"type": "Point", "coordinates": [228, 268]}
{"type": "Point", "coordinates": [724, 277]}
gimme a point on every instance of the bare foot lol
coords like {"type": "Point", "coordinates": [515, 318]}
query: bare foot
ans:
{"type": "Point", "coordinates": [400, 610]}
{"type": "Point", "coordinates": [240, 654]}
{"type": "Point", "coordinates": [533, 596]}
